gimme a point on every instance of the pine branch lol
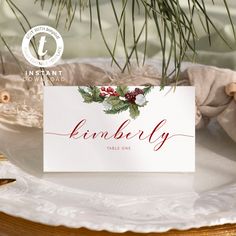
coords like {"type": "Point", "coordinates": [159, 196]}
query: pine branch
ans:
{"type": "Point", "coordinates": [85, 95]}
{"type": "Point", "coordinates": [147, 89]}
{"type": "Point", "coordinates": [122, 90]}
{"type": "Point", "coordinates": [92, 95]}
{"type": "Point", "coordinates": [13, 55]}
{"type": "Point", "coordinates": [118, 109]}
{"type": "Point", "coordinates": [175, 29]}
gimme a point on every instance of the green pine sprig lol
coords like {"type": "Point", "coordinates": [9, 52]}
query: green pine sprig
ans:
{"type": "Point", "coordinates": [122, 90]}
{"type": "Point", "coordinates": [175, 27]}
{"type": "Point", "coordinates": [147, 89]}
{"type": "Point", "coordinates": [91, 95]}
{"type": "Point", "coordinates": [118, 108]}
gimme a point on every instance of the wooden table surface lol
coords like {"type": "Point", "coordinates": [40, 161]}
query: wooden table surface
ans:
{"type": "Point", "coordinates": [14, 226]}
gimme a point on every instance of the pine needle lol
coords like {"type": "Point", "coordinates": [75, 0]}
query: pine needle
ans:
{"type": "Point", "coordinates": [175, 28]}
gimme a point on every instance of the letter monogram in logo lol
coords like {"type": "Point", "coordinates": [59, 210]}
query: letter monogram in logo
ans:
{"type": "Point", "coordinates": [42, 41]}
{"type": "Point", "coordinates": [42, 52]}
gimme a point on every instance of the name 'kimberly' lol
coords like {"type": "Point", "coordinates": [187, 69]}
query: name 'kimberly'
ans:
{"type": "Point", "coordinates": [157, 136]}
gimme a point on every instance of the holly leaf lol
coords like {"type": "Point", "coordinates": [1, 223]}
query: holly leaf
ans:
{"type": "Point", "coordinates": [85, 95]}
{"type": "Point", "coordinates": [118, 108]}
{"type": "Point", "coordinates": [95, 91]}
{"type": "Point", "coordinates": [87, 98]}
{"type": "Point", "coordinates": [114, 101]}
{"type": "Point", "coordinates": [134, 111]}
{"type": "Point", "coordinates": [81, 90]}
{"type": "Point", "coordinates": [147, 89]}
{"type": "Point", "coordinates": [122, 90]}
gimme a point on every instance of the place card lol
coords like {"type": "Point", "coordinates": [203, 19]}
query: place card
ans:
{"type": "Point", "coordinates": [119, 129]}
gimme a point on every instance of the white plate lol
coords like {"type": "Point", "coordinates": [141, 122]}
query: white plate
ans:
{"type": "Point", "coordinates": [120, 202]}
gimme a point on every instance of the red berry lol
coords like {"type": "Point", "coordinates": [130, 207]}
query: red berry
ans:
{"type": "Point", "coordinates": [103, 88]}
{"type": "Point", "coordinates": [110, 90]}
{"type": "Point", "coordinates": [130, 96]}
{"type": "Point", "coordinates": [116, 94]}
{"type": "Point", "coordinates": [138, 91]}
{"type": "Point", "coordinates": [102, 94]}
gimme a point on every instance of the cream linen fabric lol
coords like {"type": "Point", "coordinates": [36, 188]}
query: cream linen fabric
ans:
{"type": "Point", "coordinates": [25, 106]}
{"type": "Point", "coordinates": [26, 97]}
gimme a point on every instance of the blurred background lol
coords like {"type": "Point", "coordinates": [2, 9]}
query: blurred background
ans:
{"type": "Point", "coordinates": [79, 44]}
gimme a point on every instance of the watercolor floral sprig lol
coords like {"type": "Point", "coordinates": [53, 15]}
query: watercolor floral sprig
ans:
{"type": "Point", "coordinates": [117, 99]}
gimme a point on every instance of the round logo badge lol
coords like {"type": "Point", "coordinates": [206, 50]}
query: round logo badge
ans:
{"type": "Point", "coordinates": [41, 34]}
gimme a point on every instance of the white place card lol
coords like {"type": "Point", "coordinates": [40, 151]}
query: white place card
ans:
{"type": "Point", "coordinates": [119, 129]}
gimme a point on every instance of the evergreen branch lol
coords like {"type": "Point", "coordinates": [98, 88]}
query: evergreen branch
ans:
{"type": "Point", "coordinates": [90, 19]}
{"type": "Point", "coordinates": [118, 109]}
{"type": "Point", "coordinates": [146, 36]}
{"type": "Point", "coordinates": [122, 90]}
{"type": "Point", "coordinates": [119, 31]}
{"type": "Point", "coordinates": [230, 18]}
{"type": "Point", "coordinates": [134, 30]}
{"type": "Point", "coordinates": [175, 27]}
{"type": "Point", "coordinates": [117, 100]}
{"type": "Point", "coordinates": [15, 9]}
{"type": "Point", "coordinates": [103, 36]}
{"type": "Point", "coordinates": [13, 55]}
{"type": "Point", "coordinates": [95, 93]}
{"type": "Point", "coordinates": [212, 23]}
{"type": "Point", "coordinates": [147, 89]}
{"type": "Point", "coordinates": [92, 95]}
